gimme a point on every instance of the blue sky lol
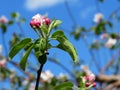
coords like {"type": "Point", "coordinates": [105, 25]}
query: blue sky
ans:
{"type": "Point", "coordinates": [83, 12]}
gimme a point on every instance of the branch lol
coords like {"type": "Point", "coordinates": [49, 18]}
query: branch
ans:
{"type": "Point", "coordinates": [113, 81]}
{"type": "Point", "coordinates": [38, 76]}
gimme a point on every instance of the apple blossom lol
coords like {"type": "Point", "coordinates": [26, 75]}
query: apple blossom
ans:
{"type": "Point", "coordinates": [39, 20]}
{"type": "Point", "coordinates": [3, 20]}
{"type": "Point", "coordinates": [3, 62]}
{"type": "Point", "coordinates": [104, 36]}
{"type": "Point", "coordinates": [89, 78]}
{"type": "Point", "coordinates": [31, 87]}
{"type": "Point", "coordinates": [26, 82]}
{"type": "Point", "coordinates": [110, 43]}
{"type": "Point", "coordinates": [46, 76]}
{"type": "Point", "coordinates": [98, 17]}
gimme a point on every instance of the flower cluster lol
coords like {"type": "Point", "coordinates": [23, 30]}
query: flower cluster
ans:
{"type": "Point", "coordinates": [98, 17]}
{"type": "Point", "coordinates": [110, 43]}
{"type": "Point", "coordinates": [39, 20]}
{"type": "Point", "coordinates": [89, 78]}
{"type": "Point", "coordinates": [46, 76]}
{"type": "Point", "coordinates": [104, 36]}
{"type": "Point", "coordinates": [3, 62]}
{"type": "Point", "coordinates": [3, 20]}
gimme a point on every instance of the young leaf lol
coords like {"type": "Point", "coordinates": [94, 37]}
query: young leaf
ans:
{"type": "Point", "coordinates": [64, 86]}
{"type": "Point", "coordinates": [65, 44]}
{"type": "Point", "coordinates": [58, 33]}
{"type": "Point", "coordinates": [24, 58]}
{"type": "Point", "coordinates": [68, 47]}
{"type": "Point", "coordinates": [14, 15]}
{"type": "Point", "coordinates": [40, 46]}
{"type": "Point", "coordinates": [54, 24]}
{"type": "Point", "coordinates": [16, 48]}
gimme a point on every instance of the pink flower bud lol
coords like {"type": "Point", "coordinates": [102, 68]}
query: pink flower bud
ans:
{"type": "Point", "coordinates": [94, 84]}
{"type": "Point", "coordinates": [47, 21]}
{"type": "Point", "coordinates": [87, 84]}
{"type": "Point", "coordinates": [39, 20]}
{"type": "Point", "coordinates": [34, 24]}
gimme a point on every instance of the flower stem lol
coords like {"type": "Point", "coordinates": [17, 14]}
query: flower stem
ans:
{"type": "Point", "coordinates": [38, 76]}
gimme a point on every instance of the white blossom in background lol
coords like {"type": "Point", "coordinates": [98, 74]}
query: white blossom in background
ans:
{"type": "Point", "coordinates": [13, 75]}
{"type": "Point", "coordinates": [26, 82]}
{"type": "Point", "coordinates": [104, 36]}
{"type": "Point", "coordinates": [62, 75]}
{"type": "Point", "coordinates": [111, 42]}
{"type": "Point", "coordinates": [31, 87]}
{"type": "Point", "coordinates": [3, 19]}
{"type": "Point", "coordinates": [0, 49]}
{"type": "Point", "coordinates": [98, 17]}
{"type": "Point", "coordinates": [3, 62]}
{"type": "Point", "coordinates": [85, 69]}
{"type": "Point", "coordinates": [47, 76]}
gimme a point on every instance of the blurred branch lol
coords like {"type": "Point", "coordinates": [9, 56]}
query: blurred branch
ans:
{"type": "Point", "coordinates": [97, 5]}
{"type": "Point", "coordinates": [61, 65]}
{"type": "Point", "coordinates": [112, 80]}
{"type": "Point", "coordinates": [18, 67]}
{"type": "Point", "coordinates": [70, 13]}
{"type": "Point", "coordinates": [92, 54]}
{"type": "Point", "coordinates": [20, 27]}
{"type": "Point", "coordinates": [110, 62]}
{"type": "Point", "coordinates": [114, 12]}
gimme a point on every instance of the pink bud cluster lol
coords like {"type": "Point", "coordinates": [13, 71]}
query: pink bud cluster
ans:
{"type": "Point", "coordinates": [89, 80]}
{"type": "Point", "coordinates": [39, 20]}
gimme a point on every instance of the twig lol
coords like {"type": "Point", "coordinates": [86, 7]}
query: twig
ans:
{"type": "Point", "coordinates": [97, 5]}
{"type": "Point", "coordinates": [38, 76]}
{"type": "Point", "coordinates": [70, 13]}
{"type": "Point", "coordinates": [92, 55]}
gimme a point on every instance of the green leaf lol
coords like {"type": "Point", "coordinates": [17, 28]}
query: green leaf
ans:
{"type": "Point", "coordinates": [17, 47]}
{"type": "Point", "coordinates": [110, 24]}
{"type": "Point", "coordinates": [65, 44]}
{"type": "Point", "coordinates": [100, 28]}
{"type": "Point", "coordinates": [22, 20]}
{"type": "Point", "coordinates": [64, 86]}
{"type": "Point", "coordinates": [44, 28]}
{"type": "Point", "coordinates": [40, 46]}
{"type": "Point", "coordinates": [54, 24]}
{"type": "Point", "coordinates": [24, 58]}
{"type": "Point", "coordinates": [101, 0]}
{"type": "Point", "coordinates": [4, 28]}
{"type": "Point", "coordinates": [10, 22]}
{"type": "Point", "coordinates": [114, 35]}
{"type": "Point", "coordinates": [58, 33]}
{"type": "Point", "coordinates": [14, 15]}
